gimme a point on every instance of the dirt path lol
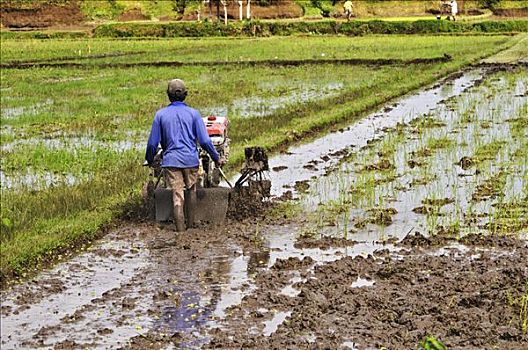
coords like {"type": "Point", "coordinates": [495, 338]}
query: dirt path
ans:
{"type": "Point", "coordinates": [338, 275]}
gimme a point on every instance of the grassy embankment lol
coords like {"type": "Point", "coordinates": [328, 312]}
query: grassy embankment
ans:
{"type": "Point", "coordinates": [282, 27]}
{"type": "Point", "coordinates": [285, 28]}
{"type": "Point", "coordinates": [87, 127]}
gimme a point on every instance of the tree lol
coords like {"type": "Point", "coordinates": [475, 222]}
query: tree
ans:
{"type": "Point", "coordinates": [179, 6]}
{"type": "Point", "coordinates": [489, 4]}
{"type": "Point", "coordinates": [248, 9]}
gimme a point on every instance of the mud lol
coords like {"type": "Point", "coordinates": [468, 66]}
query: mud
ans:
{"type": "Point", "coordinates": [383, 164]}
{"type": "Point", "coordinates": [490, 188]}
{"type": "Point", "coordinates": [266, 63]}
{"type": "Point", "coordinates": [460, 296]}
{"type": "Point", "coordinates": [41, 15]}
{"type": "Point", "coordinates": [466, 162]}
{"type": "Point", "coordinates": [74, 58]}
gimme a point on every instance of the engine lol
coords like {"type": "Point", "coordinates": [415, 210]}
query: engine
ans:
{"type": "Point", "coordinates": [217, 130]}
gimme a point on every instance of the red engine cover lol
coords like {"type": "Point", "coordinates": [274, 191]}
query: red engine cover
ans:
{"type": "Point", "coordinates": [215, 125]}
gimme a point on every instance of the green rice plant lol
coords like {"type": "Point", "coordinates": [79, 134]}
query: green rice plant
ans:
{"type": "Point", "coordinates": [521, 304]}
{"type": "Point", "coordinates": [523, 311]}
{"type": "Point", "coordinates": [488, 151]}
{"type": "Point", "coordinates": [431, 343]}
{"type": "Point", "coordinates": [285, 210]}
{"type": "Point", "coordinates": [439, 143]}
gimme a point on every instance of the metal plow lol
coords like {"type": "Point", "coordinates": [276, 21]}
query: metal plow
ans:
{"type": "Point", "coordinates": [214, 202]}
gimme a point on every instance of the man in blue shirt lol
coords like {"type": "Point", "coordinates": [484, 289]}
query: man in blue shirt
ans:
{"type": "Point", "coordinates": [178, 128]}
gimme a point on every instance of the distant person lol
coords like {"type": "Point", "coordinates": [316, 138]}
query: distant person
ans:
{"type": "Point", "coordinates": [178, 128]}
{"type": "Point", "coordinates": [348, 9]}
{"type": "Point", "coordinates": [454, 9]}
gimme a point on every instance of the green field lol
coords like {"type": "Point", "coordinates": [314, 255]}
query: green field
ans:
{"type": "Point", "coordinates": [72, 139]}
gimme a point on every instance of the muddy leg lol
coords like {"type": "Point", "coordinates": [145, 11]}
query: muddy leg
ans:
{"type": "Point", "coordinates": [190, 206]}
{"type": "Point", "coordinates": [190, 176]}
{"type": "Point", "coordinates": [179, 218]}
{"type": "Point", "coordinates": [175, 178]}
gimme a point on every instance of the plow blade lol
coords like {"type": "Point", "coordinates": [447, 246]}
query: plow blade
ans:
{"type": "Point", "coordinates": [211, 205]}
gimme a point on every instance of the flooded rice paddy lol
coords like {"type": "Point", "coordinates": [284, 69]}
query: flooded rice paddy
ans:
{"type": "Point", "coordinates": [413, 197]}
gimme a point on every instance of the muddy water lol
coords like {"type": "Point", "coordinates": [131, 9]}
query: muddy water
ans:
{"type": "Point", "coordinates": [142, 286]}
{"type": "Point", "coordinates": [35, 180]}
{"type": "Point", "coordinates": [39, 181]}
{"type": "Point", "coordinates": [329, 150]}
{"type": "Point", "coordinates": [15, 112]}
{"type": "Point", "coordinates": [257, 106]}
{"type": "Point", "coordinates": [69, 299]}
{"type": "Point", "coordinates": [404, 189]}
{"type": "Point", "coordinates": [90, 142]}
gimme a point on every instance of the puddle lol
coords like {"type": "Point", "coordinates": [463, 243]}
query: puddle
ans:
{"type": "Point", "coordinates": [289, 290]}
{"type": "Point", "coordinates": [281, 243]}
{"type": "Point", "coordinates": [15, 112]}
{"type": "Point", "coordinates": [272, 325]}
{"type": "Point", "coordinates": [231, 292]}
{"type": "Point", "coordinates": [362, 282]}
{"type": "Point", "coordinates": [118, 290]}
{"type": "Point", "coordinates": [256, 106]}
{"type": "Point", "coordinates": [39, 181]}
{"type": "Point", "coordinates": [84, 281]}
{"type": "Point", "coordinates": [349, 345]}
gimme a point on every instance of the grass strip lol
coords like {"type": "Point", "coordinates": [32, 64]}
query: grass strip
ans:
{"type": "Point", "coordinates": [270, 63]}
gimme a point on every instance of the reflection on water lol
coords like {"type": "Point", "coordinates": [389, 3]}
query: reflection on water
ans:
{"type": "Point", "coordinates": [84, 281]}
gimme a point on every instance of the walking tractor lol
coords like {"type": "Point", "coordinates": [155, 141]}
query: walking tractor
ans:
{"type": "Point", "coordinates": [213, 198]}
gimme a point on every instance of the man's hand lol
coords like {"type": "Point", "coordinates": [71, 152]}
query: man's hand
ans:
{"type": "Point", "coordinates": [221, 162]}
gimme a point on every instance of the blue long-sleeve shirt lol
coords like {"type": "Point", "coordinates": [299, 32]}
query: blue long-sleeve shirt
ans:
{"type": "Point", "coordinates": [177, 127]}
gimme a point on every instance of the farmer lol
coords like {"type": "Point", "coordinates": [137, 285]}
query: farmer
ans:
{"type": "Point", "coordinates": [348, 9]}
{"type": "Point", "coordinates": [178, 128]}
{"type": "Point", "coordinates": [454, 9]}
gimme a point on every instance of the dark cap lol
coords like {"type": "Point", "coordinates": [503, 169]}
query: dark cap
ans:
{"type": "Point", "coordinates": [175, 86]}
